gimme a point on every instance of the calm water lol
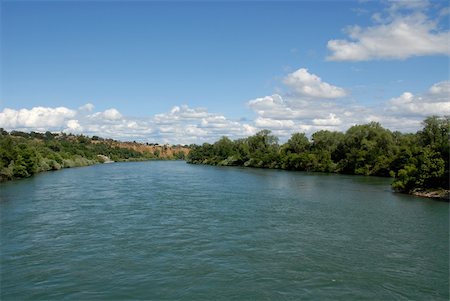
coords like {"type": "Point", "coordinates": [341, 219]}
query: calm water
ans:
{"type": "Point", "coordinates": [173, 231]}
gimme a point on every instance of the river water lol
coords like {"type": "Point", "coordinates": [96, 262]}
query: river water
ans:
{"type": "Point", "coordinates": [174, 231]}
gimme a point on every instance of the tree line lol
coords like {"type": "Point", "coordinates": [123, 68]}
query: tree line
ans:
{"type": "Point", "coordinates": [24, 154]}
{"type": "Point", "coordinates": [416, 161]}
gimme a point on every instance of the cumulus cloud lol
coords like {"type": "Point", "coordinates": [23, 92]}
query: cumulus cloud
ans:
{"type": "Point", "coordinates": [310, 106]}
{"type": "Point", "coordinates": [87, 107]}
{"type": "Point", "coordinates": [282, 114]}
{"type": "Point", "coordinates": [405, 32]}
{"type": "Point", "coordinates": [274, 124]}
{"type": "Point", "coordinates": [287, 114]}
{"type": "Point", "coordinates": [73, 126]}
{"type": "Point", "coordinates": [181, 124]}
{"type": "Point", "coordinates": [272, 106]}
{"type": "Point", "coordinates": [109, 114]}
{"type": "Point", "coordinates": [192, 125]}
{"type": "Point", "coordinates": [435, 101]}
{"type": "Point", "coordinates": [296, 112]}
{"type": "Point", "coordinates": [37, 117]}
{"type": "Point", "coordinates": [441, 90]}
{"type": "Point", "coordinates": [109, 123]}
{"type": "Point", "coordinates": [307, 84]}
{"type": "Point", "coordinates": [331, 120]}
{"type": "Point", "coordinates": [181, 113]}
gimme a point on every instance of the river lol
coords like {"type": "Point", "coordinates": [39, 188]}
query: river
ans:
{"type": "Point", "coordinates": [173, 231]}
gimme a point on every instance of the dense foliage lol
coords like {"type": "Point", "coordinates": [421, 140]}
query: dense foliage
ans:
{"type": "Point", "coordinates": [24, 154]}
{"type": "Point", "coordinates": [416, 161]}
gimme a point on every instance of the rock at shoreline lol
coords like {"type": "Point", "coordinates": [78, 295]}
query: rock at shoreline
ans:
{"type": "Point", "coordinates": [104, 159]}
{"type": "Point", "coordinates": [441, 194]}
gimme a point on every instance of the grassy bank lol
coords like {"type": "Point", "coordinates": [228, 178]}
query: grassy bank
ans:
{"type": "Point", "coordinates": [24, 154]}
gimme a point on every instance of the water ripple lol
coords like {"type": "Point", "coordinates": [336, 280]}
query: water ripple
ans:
{"type": "Point", "coordinates": [172, 231]}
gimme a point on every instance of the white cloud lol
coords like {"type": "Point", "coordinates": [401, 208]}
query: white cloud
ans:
{"type": "Point", "coordinates": [441, 89]}
{"type": "Point", "coordinates": [192, 130]}
{"type": "Point", "coordinates": [399, 35]}
{"type": "Point", "coordinates": [109, 123]}
{"type": "Point", "coordinates": [37, 117]}
{"type": "Point", "coordinates": [396, 5]}
{"type": "Point", "coordinates": [109, 114]}
{"type": "Point", "coordinates": [266, 102]}
{"type": "Point", "coordinates": [407, 124]}
{"type": "Point", "coordinates": [435, 102]}
{"type": "Point", "coordinates": [181, 124]}
{"type": "Point", "coordinates": [112, 114]}
{"type": "Point", "coordinates": [274, 124]}
{"type": "Point", "coordinates": [193, 125]}
{"type": "Point", "coordinates": [181, 113]}
{"type": "Point", "coordinates": [282, 114]}
{"type": "Point", "coordinates": [214, 121]}
{"type": "Point", "coordinates": [73, 126]}
{"type": "Point", "coordinates": [292, 113]}
{"type": "Point", "coordinates": [300, 110]}
{"type": "Point", "coordinates": [311, 107]}
{"type": "Point", "coordinates": [87, 107]}
{"type": "Point", "coordinates": [272, 107]}
{"type": "Point", "coordinates": [331, 120]}
{"type": "Point", "coordinates": [307, 84]}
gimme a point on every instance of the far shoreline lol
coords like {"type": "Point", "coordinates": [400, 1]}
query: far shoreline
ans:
{"type": "Point", "coordinates": [3, 180]}
{"type": "Point", "coordinates": [434, 194]}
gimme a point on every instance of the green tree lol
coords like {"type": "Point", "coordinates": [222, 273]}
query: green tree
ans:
{"type": "Point", "coordinates": [363, 147]}
{"type": "Point", "coordinates": [262, 149]}
{"type": "Point", "coordinates": [298, 143]}
{"type": "Point", "coordinates": [223, 148]}
{"type": "Point", "coordinates": [26, 157]}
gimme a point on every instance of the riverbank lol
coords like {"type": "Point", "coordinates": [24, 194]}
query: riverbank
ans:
{"type": "Point", "coordinates": [438, 194]}
{"type": "Point", "coordinates": [25, 154]}
{"type": "Point", "coordinates": [86, 163]}
{"type": "Point", "coordinates": [417, 162]}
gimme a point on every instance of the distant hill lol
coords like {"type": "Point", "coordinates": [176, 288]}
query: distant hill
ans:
{"type": "Point", "coordinates": [167, 152]}
{"type": "Point", "coordinates": [24, 154]}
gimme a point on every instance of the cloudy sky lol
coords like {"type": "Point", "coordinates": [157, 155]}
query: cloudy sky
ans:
{"type": "Point", "coordinates": [190, 72]}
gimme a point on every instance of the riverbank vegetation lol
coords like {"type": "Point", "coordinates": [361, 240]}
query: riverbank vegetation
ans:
{"type": "Point", "coordinates": [24, 154]}
{"type": "Point", "coordinates": [417, 162]}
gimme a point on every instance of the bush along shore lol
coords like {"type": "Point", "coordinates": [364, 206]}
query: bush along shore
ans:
{"type": "Point", "coordinates": [418, 163]}
{"type": "Point", "coordinates": [24, 154]}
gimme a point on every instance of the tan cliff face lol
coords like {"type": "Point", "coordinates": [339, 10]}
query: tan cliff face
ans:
{"type": "Point", "coordinates": [160, 151]}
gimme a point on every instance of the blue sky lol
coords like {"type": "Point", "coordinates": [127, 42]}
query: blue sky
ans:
{"type": "Point", "coordinates": [193, 71]}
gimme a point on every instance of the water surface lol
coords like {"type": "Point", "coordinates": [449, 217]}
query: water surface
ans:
{"type": "Point", "coordinates": [173, 231]}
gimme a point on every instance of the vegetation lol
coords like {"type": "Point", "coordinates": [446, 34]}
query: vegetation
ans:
{"type": "Point", "coordinates": [416, 161]}
{"type": "Point", "coordinates": [24, 154]}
